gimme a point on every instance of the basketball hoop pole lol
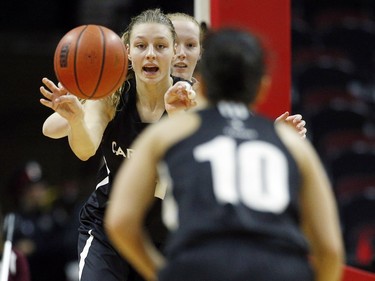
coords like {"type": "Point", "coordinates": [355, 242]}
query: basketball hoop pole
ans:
{"type": "Point", "coordinates": [7, 251]}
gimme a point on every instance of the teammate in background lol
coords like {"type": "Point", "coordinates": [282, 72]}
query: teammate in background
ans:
{"type": "Point", "coordinates": [190, 36]}
{"type": "Point", "coordinates": [111, 125]}
{"type": "Point", "coordinates": [246, 197]}
{"type": "Point", "coordinates": [189, 45]}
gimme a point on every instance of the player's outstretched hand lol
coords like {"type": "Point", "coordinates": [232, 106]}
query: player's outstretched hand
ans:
{"type": "Point", "coordinates": [58, 99]}
{"type": "Point", "coordinates": [180, 96]}
{"type": "Point", "coordinates": [295, 121]}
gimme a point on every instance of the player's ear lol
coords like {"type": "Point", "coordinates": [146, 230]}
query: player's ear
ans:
{"type": "Point", "coordinates": [200, 86]}
{"type": "Point", "coordinates": [174, 52]}
{"type": "Point", "coordinates": [200, 54]}
{"type": "Point", "coordinates": [264, 88]}
{"type": "Point", "coordinates": [128, 51]}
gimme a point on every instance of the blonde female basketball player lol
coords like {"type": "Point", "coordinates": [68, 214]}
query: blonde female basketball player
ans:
{"type": "Point", "coordinates": [111, 125]}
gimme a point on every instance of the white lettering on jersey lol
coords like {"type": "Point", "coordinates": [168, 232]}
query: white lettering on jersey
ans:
{"type": "Point", "coordinates": [117, 150]}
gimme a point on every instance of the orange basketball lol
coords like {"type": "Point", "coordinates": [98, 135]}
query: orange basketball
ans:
{"type": "Point", "coordinates": [91, 61]}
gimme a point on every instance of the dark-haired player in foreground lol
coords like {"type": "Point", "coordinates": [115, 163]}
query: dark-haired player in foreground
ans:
{"type": "Point", "coordinates": [247, 199]}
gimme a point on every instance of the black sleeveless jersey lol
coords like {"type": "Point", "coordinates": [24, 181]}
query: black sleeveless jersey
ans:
{"type": "Point", "coordinates": [116, 146]}
{"type": "Point", "coordinates": [232, 179]}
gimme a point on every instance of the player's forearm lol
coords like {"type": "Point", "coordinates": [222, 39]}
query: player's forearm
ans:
{"type": "Point", "coordinates": [55, 126]}
{"type": "Point", "coordinates": [148, 259]}
{"type": "Point", "coordinates": [137, 248]}
{"type": "Point", "coordinates": [81, 141]}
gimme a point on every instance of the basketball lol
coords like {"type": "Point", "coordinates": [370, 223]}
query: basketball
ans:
{"type": "Point", "coordinates": [91, 61]}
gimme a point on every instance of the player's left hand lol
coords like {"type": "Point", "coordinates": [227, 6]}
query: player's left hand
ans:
{"type": "Point", "coordinates": [295, 121]}
{"type": "Point", "coordinates": [180, 96]}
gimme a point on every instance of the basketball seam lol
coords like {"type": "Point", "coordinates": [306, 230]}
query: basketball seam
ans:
{"type": "Point", "coordinates": [55, 64]}
{"type": "Point", "coordinates": [75, 61]}
{"type": "Point", "coordinates": [103, 63]}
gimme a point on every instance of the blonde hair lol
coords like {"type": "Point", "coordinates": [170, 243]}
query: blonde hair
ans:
{"type": "Point", "coordinates": [183, 16]}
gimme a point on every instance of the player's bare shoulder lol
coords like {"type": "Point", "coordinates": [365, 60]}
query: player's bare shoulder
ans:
{"type": "Point", "coordinates": [169, 131]}
{"type": "Point", "coordinates": [178, 127]}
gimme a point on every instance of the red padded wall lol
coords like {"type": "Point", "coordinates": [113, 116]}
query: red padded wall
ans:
{"type": "Point", "coordinates": [269, 19]}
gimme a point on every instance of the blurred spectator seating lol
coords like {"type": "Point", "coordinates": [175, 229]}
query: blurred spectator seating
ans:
{"type": "Point", "coordinates": [358, 221]}
{"type": "Point", "coordinates": [334, 117]}
{"type": "Point", "coordinates": [356, 161]}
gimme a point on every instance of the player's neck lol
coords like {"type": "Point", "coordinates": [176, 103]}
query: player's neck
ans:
{"type": "Point", "coordinates": [153, 92]}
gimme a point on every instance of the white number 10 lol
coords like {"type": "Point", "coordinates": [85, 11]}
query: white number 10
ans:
{"type": "Point", "coordinates": [254, 173]}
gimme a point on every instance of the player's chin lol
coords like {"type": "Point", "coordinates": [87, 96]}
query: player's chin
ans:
{"type": "Point", "coordinates": [152, 79]}
{"type": "Point", "coordinates": [181, 72]}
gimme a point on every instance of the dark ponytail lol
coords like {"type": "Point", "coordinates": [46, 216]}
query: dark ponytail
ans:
{"type": "Point", "coordinates": [232, 65]}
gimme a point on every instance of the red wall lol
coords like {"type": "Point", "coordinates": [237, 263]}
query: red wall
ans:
{"type": "Point", "coordinates": [270, 20]}
{"type": "Point", "coordinates": [355, 274]}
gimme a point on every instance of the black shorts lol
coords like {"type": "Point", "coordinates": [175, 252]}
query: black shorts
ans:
{"type": "Point", "coordinates": [99, 261]}
{"type": "Point", "coordinates": [223, 261]}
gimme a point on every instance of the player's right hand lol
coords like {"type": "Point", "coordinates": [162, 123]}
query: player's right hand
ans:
{"type": "Point", "coordinates": [58, 99]}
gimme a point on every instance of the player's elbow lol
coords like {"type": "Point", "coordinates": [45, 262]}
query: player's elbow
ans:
{"type": "Point", "coordinates": [335, 252]}
{"type": "Point", "coordinates": [332, 254]}
{"type": "Point", "coordinates": [111, 219]}
{"type": "Point", "coordinates": [115, 226]}
{"type": "Point", "coordinates": [84, 156]}
{"type": "Point", "coordinates": [83, 152]}
{"type": "Point", "coordinates": [112, 227]}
